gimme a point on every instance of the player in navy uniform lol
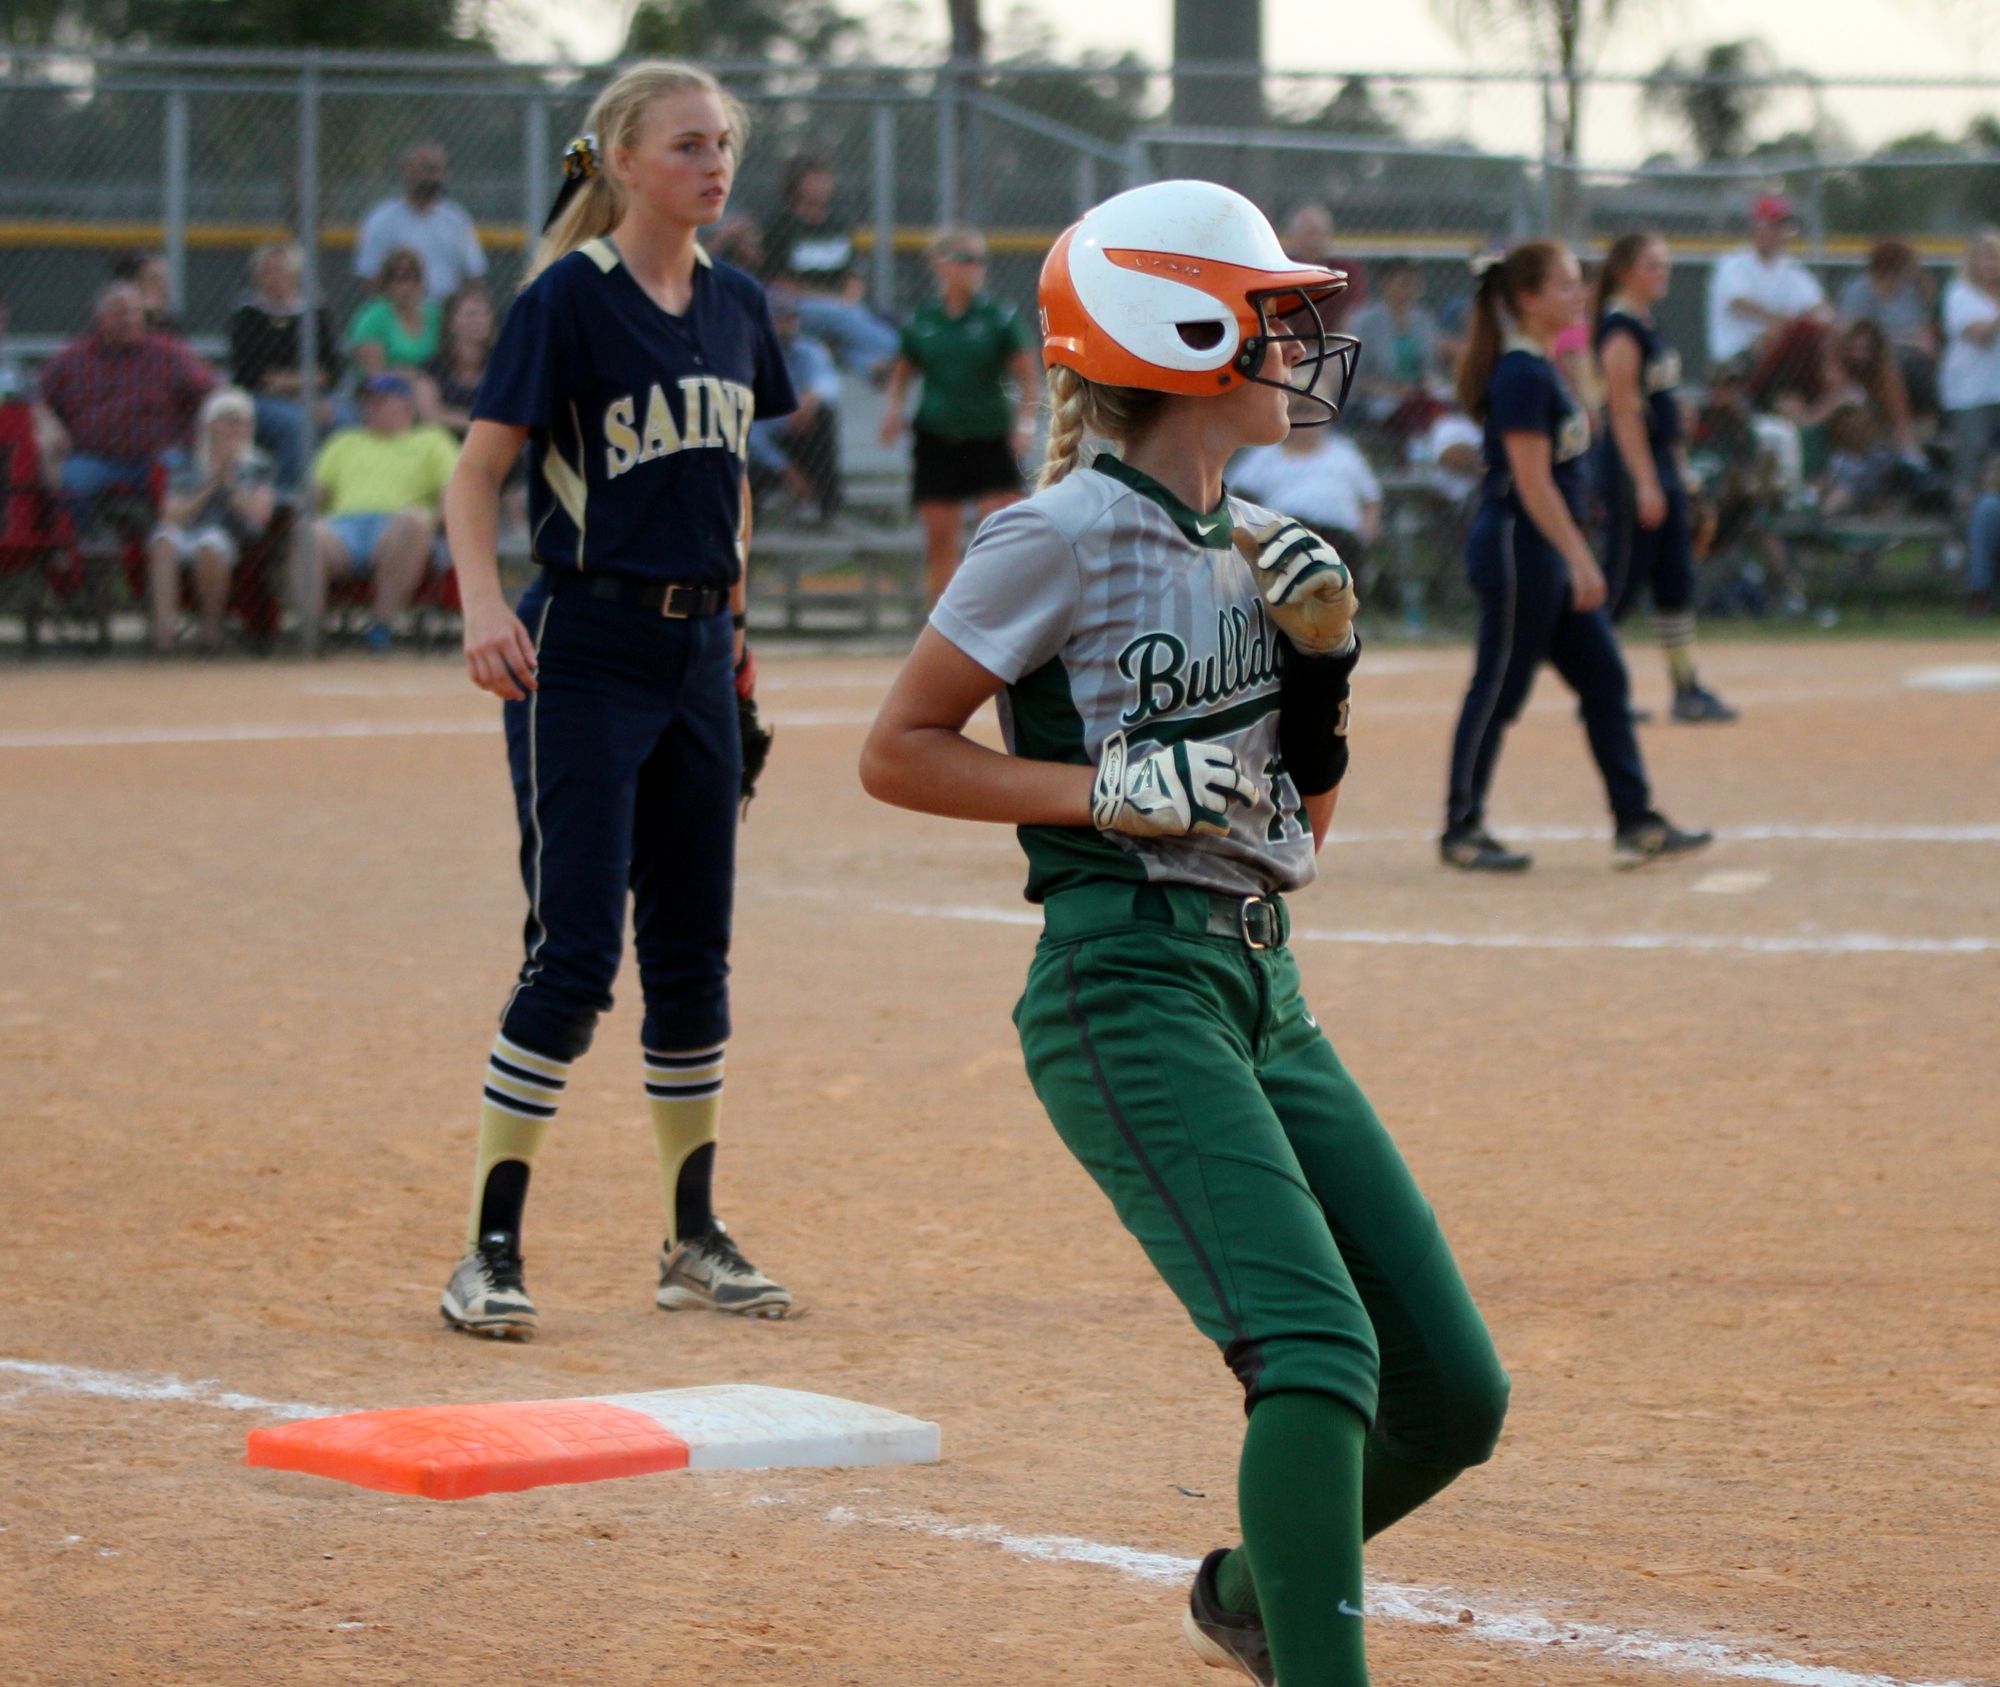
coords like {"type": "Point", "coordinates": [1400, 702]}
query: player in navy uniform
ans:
{"type": "Point", "coordinates": [1648, 543]}
{"type": "Point", "coordinates": [631, 365]}
{"type": "Point", "coordinates": [1541, 595]}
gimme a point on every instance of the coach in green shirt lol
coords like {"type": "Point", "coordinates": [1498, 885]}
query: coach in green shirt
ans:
{"type": "Point", "coordinates": [969, 431]}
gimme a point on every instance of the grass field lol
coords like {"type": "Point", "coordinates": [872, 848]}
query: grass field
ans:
{"type": "Point", "coordinates": [1717, 1145]}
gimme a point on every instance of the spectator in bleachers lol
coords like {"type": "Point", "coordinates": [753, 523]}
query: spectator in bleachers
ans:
{"type": "Point", "coordinates": [14, 382]}
{"type": "Point", "coordinates": [1894, 294]}
{"type": "Point", "coordinates": [810, 246]}
{"type": "Point", "coordinates": [1401, 370]}
{"type": "Point", "coordinates": [1969, 374]}
{"type": "Point", "coordinates": [465, 342]}
{"type": "Point", "coordinates": [422, 220]}
{"type": "Point", "coordinates": [1811, 371]}
{"type": "Point", "coordinates": [1317, 476]}
{"type": "Point", "coordinates": [1308, 239]}
{"type": "Point", "coordinates": [380, 486]}
{"type": "Point", "coordinates": [969, 434]}
{"type": "Point", "coordinates": [218, 501]}
{"type": "Point", "coordinates": [264, 355]}
{"type": "Point", "coordinates": [148, 272]}
{"type": "Point", "coordinates": [1758, 292]}
{"type": "Point", "coordinates": [122, 397]}
{"type": "Point", "coordinates": [397, 330]}
{"type": "Point", "coordinates": [801, 451]}
{"type": "Point", "coordinates": [1983, 563]}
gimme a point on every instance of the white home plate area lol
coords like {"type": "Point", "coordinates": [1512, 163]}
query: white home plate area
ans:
{"type": "Point", "coordinates": [455, 1452]}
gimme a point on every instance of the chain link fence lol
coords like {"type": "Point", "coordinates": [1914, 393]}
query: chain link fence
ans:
{"type": "Point", "coordinates": [204, 157]}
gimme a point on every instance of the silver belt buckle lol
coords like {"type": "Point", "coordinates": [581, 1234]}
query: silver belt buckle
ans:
{"type": "Point", "coordinates": [1243, 920]}
{"type": "Point", "coordinates": [667, 604]}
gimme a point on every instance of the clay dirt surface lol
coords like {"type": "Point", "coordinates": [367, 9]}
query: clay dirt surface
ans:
{"type": "Point", "coordinates": [1730, 1210]}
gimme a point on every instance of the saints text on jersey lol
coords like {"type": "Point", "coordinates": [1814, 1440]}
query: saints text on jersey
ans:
{"type": "Point", "coordinates": [715, 414]}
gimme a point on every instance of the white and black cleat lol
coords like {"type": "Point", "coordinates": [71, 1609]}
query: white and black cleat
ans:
{"type": "Point", "coordinates": [486, 1296]}
{"type": "Point", "coordinates": [708, 1273]}
{"type": "Point", "coordinates": [1653, 837]}
{"type": "Point", "coordinates": [1223, 1638]}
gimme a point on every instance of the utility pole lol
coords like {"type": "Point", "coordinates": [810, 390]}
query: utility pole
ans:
{"type": "Point", "coordinates": [1213, 33]}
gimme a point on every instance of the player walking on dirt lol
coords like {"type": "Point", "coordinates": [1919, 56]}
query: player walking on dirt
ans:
{"type": "Point", "coordinates": [1172, 669]}
{"type": "Point", "coordinates": [631, 365]}
{"type": "Point", "coordinates": [1642, 464]}
{"type": "Point", "coordinates": [1541, 595]}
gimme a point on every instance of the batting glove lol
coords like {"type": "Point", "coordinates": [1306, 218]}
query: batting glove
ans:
{"type": "Point", "coordinates": [1305, 585]}
{"type": "Point", "coordinates": [1168, 790]}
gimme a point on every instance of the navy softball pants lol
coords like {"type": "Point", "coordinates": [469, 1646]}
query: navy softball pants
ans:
{"type": "Point", "coordinates": [1525, 618]}
{"type": "Point", "coordinates": [1659, 560]}
{"type": "Point", "coordinates": [628, 766]}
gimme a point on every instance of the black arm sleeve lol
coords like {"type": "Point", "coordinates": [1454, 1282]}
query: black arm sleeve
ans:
{"type": "Point", "coordinates": [1312, 717]}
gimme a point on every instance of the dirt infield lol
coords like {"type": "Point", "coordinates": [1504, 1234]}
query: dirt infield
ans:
{"type": "Point", "coordinates": [1718, 1147]}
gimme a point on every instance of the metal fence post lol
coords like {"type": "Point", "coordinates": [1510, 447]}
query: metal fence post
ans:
{"type": "Point", "coordinates": [174, 197]}
{"type": "Point", "coordinates": [1086, 181]}
{"type": "Point", "coordinates": [883, 259]}
{"type": "Point", "coordinates": [305, 554]}
{"type": "Point", "coordinates": [1138, 162]}
{"type": "Point", "coordinates": [534, 174]}
{"type": "Point", "coordinates": [947, 155]}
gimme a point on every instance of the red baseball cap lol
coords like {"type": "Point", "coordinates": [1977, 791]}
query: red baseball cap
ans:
{"type": "Point", "coordinates": [1772, 208]}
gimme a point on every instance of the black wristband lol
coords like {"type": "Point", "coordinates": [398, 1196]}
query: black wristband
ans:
{"type": "Point", "coordinates": [1312, 716]}
{"type": "Point", "coordinates": [739, 619]}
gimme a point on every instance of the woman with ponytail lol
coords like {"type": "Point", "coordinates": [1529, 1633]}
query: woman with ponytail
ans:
{"type": "Point", "coordinates": [1642, 464]}
{"type": "Point", "coordinates": [1541, 596]}
{"type": "Point", "coordinates": [1171, 664]}
{"type": "Point", "coordinates": [631, 366]}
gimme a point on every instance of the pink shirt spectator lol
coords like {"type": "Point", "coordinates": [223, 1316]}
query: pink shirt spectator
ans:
{"type": "Point", "coordinates": [125, 402]}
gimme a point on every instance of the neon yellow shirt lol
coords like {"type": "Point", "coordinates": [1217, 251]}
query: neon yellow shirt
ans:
{"type": "Point", "coordinates": [368, 473]}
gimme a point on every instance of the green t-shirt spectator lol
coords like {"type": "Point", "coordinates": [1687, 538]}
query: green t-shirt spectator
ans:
{"type": "Point", "coordinates": [370, 473]}
{"type": "Point", "coordinates": [377, 321]}
{"type": "Point", "coordinates": [963, 360]}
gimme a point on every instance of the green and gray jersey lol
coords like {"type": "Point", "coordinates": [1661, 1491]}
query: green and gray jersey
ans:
{"type": "Point", "coordinates": [1105, 603]}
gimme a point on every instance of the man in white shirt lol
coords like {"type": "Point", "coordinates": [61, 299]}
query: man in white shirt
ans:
{"type": "Point", "coordinates": [438, 229]}
{"type": "Point", "coordinates": [1762, 289]}
{"type": "Point", "coordinates": [1316, 476]}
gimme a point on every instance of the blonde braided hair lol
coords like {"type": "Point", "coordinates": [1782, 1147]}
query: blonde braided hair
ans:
{"type": "Point", "coordinates": [1079, 408]}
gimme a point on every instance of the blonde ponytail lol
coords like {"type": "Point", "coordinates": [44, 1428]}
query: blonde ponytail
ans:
{"type": "Point", "coordinates": [1079, 408]}
{"type": "Point", "coordinates": [616, 119]}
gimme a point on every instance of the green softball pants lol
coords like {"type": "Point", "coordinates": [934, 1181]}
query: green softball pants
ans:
{"type": "Point", "coordinates": [1187, 1075]}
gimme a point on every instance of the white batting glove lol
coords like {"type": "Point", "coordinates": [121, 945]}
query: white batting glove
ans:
{"type": "Point", "coordinates": [1167, 790]}
{"type": "Point", "coordinates": [1304, 584]}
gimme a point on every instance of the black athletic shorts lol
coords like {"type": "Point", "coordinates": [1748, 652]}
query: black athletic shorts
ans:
{"type": "Point", "coordinates": [956, 471]}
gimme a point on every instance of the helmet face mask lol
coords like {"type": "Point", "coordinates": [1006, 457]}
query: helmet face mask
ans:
{"type": "Point", "coordinates": [1319, 379]}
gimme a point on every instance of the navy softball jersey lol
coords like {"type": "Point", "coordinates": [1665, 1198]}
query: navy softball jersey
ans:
{"type": "Point", "coordinates": [1656, 559]}
{"type": "Point", "coordinates": [1526, 612]}
{"type": "Point", "coordinates": [627, 758]}
{"type": "Point", "coordinates": [638, 421]}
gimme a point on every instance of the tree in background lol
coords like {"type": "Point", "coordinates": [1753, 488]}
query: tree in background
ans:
{"type": "Point", "coordinates": [1720, 110]}
{"type": "Point", "coordinates": [1564, 39]}
{"type": "Point", "coordinates": [350, 25]}
{"type": "Point", "coordinates": [738, 29]}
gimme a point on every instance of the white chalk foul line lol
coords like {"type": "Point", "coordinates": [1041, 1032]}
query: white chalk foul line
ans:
{"type": "Point", "coordinates": [1837, 943]}
{"type": "Point", "coordinates": [1973, 832]}
{"type": "Point", "coordinates": [1505, 1625]}
{"type": "Point", "coordinates": [262, 732]}
{"type": "Point", "coordinates": [75, 1379]}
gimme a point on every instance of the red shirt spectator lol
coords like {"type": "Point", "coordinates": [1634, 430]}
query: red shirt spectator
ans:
{"type": "Point", "coordinates": [122, 392]}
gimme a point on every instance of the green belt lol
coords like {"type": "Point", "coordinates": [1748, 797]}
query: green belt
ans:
{"type": "Point", "coordinates": [1256, 922]}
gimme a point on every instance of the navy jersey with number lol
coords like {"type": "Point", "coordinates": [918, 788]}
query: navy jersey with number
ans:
{"type": "Point", "coordinates": [1659, 375]}
{"type": "Point", "coordinates": [1524, 394]}
{"type": "Point", "coordinates": [638, 421]}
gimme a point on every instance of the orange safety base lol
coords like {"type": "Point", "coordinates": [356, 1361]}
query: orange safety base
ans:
{"type": "Point", "coordinates": [454, 1452]}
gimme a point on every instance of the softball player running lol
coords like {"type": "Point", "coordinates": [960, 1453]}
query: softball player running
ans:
{"type": "Point", "coordinates": [1642, 464]}
{"type": "Point", "coordinates": [1541, 596]}
{"type": "Point", "coordinates": [631, 365]}
{"type": "Point", "coordinates": [1172, 667]}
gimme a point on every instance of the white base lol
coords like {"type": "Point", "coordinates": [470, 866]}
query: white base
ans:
{"type": "Point", "coordinates": [743, 1426]}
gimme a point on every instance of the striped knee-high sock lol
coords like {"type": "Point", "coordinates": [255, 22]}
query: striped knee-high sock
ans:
{"type": "Point", "coordinates": [684, 1095]}
{"type": "Point", "coordinates": [1675, 631]}
{"type": "Point", "coordinates": [523, 1090]}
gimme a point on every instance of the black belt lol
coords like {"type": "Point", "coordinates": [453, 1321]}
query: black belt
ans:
{"type": "Point", "coordinates": [677, 603]}
{"type": "Point", "coordinates": [1259, 921]}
